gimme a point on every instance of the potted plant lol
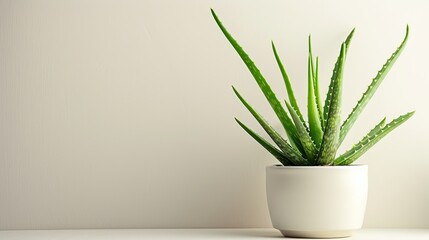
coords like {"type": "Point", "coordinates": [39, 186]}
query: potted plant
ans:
{"type": "Point", "coordinates": [315, 192]}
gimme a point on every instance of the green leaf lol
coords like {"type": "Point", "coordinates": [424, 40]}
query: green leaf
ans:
{"type": "Point", "coordinates": [263, 85]}
{"type": "Point", "coordinates": [329, 145]}
{"type": "Point", "coordinates": [313, 114]}
{"type": "Point", "coordinates": [288, 84]}
{"type": "Point", "coordinates": [316, 90]}
{"type": "Point", "coordinates": [348, 123]}
{"type": "Point", "coordinates": [334, 76]}
{"type": "Point", "coordinates": [289, 152]}
{"type": "Point", "coordinates": [378, 127]}
{"type": "Point", "coordinates": [303, 135]}
{"type": "Point", "coordinates": [370, 140]}
{"type": "Point", "coordinates": [270, 148]}
{"type": "Point", "coordinates": [310, 53]}
{"type": "Point", "coordinates": [350, 152]}
{"type": "Point", "coordinates": [317, 93]}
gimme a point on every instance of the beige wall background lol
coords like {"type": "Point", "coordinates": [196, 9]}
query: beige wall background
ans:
{"type": "Point", "coordinates": [119, 114]}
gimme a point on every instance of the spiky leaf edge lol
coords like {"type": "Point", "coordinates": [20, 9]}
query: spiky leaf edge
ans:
{"type": "Point", "coordinates": [367, 95]}
{"type": "Point", "coordinates": [334, 76]}
{"type": "Point", "coordinates": [317, 93]}
{"type": "Point", "coordinates": [329, 145]}
{"type": "Point", "coordinates": [289, 152]}
{"type": "Point", "coordinates": [269, 147]}
{"type": "Point", "coordinates": [303, 135]}
{"type": "Point", "coordinates": [370, 140]}
{"type": "Point", "coordinates": [264, 86]}
{"type": "Point", "coordinates": [315, 76]}
{"type": "Point", "coordinates": [373, 131]}
{"type": "Point", "coordinates": [288, 85]}
{"type": "Point", "coordinates": [313, 114]}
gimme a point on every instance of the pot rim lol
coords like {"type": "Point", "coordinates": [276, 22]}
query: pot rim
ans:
{"type": "Point", "coordinates": [279, 166]}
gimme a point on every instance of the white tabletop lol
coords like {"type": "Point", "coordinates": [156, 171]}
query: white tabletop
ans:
{"type": "Point", "coordinates": [243, 233]}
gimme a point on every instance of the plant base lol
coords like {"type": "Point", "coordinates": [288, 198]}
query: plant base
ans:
{"type": "Point", "coordinates": [317, 234]}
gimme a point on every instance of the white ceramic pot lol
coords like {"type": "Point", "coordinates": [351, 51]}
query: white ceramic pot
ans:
{"type": "Point", "coordinates": [317, 201]}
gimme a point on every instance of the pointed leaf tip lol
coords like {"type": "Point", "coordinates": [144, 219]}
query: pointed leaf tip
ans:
{"type": "Point", "coordinates": [273, 46]}
{"type": "Point", "coordinates": [367, 95]}
{"type": "Point", "coordinates": [375, 135]}
{"type": "Point", "coordinates": [263, 85]}
{"type": "Point", "coordinates": [330, 140]}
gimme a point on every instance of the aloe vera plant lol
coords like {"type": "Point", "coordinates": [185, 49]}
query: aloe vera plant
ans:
{"type": "Point", "coordinates": [316, 141]}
